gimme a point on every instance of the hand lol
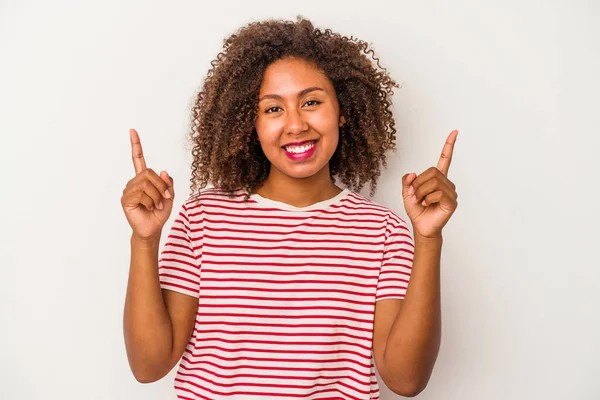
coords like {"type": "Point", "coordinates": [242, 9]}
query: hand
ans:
{"type": "Point", "coordinates": [430, 198]}
{"type": "Point", "coordinates": [148, 198]}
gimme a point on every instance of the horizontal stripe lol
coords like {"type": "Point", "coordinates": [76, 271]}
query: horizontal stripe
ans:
{"type": "Point", "coordinates": [328, 327]}
{"type": "Point", "coordinates": [289, 343]}
{"type": "Point", "coordinates": [285, 370]}
{"type": "Point", "coordinates": [279, 299]}
{"type": "Point", "coordinates": [321, 241]}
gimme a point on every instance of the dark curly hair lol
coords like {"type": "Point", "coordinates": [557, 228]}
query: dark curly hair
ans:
{"type": "Point", "coordinates": [226, 149]}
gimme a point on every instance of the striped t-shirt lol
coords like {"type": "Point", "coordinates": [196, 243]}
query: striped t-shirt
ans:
{"type": "Point", "coordinates": [286, 294]}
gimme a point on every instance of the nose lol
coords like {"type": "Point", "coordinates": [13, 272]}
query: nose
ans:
{"type": "Point", "coordinates": [295, 122]}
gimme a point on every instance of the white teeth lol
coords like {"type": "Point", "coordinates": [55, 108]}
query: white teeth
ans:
{"type": "Point", "coordinates": [300, 149]}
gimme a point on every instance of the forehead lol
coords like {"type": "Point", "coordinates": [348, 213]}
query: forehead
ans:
{"type": "Point", "coordinates": [291, 75]}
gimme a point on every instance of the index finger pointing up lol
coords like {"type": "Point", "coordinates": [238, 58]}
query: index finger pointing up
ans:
{"type": "Point", "coordinates": [446, 157]}
{"type": "Point", "coordinates": [136, 152]}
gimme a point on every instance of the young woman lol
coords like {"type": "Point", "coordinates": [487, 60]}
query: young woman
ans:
{"type": "Point", "coordinates": [277, 282]}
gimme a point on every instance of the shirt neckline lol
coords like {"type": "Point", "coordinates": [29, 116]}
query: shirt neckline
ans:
{"type": "Point", "coordinates": [285, 206]}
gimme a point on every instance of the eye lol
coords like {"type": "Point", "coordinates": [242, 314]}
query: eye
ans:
{"type": "Point", "coordinates": [315, 102]}
{"type": "Point", "coordinates": [269, 110]}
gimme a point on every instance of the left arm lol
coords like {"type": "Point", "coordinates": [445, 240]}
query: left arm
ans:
{"type": "Point", "coordinates": [407, 333]}
{"type": "Point", "coordinates": [414, 337]}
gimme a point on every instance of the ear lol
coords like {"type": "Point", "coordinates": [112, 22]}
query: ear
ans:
{"type": "Point", "coordinates": [342, 120]}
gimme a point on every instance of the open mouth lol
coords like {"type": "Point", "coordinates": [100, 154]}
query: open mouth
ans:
{"type": "Point", "coordinates": [303, 148]}
{"type": "Point", "coordinates": [302, 152]}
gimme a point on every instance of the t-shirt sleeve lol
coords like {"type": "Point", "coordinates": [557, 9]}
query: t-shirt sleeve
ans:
{"type": "Point", "coordinates": [179, 261]}
{"type": "Point", "coordinates": [397, 262]}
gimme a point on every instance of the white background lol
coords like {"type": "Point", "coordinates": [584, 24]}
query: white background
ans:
{"type": "Point", "coordinates": [519, 79]}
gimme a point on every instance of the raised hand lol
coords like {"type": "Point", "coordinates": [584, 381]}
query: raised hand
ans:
{"type": "Point", "coordinates": [148, 198]}
{"type": "Point", "coordinates": [430, 198]}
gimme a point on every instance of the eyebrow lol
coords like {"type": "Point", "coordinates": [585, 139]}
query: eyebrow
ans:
{"type": "Point", "coordinates": [300, 94]}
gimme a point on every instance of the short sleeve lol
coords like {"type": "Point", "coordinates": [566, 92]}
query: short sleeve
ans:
{"type": "Point", "coordinates": [179, 261]}
{"type": "Point", "coordinates": [396, 265]}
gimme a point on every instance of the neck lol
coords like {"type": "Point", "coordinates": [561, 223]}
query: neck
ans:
{"type": "Point", "coordinates": [298, 192]}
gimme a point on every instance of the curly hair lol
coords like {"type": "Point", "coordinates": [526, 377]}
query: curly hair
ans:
{"type": "Point", "coordinates": [226, 151]}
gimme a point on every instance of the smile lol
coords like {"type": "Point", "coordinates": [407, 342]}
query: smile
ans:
{"type": "Point", "coordinates": [302, 148]}
{"type": "Point", "coordinates": [302, 152]}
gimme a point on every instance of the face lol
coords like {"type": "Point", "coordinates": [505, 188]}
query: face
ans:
{"type": "Point", "coordinates": [298, 118]}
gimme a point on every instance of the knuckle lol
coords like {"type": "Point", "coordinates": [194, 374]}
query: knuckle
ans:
{"type": "Point", "coordinates": [130, 184]}
{"type": "Point", "coordinates": [148, 186]}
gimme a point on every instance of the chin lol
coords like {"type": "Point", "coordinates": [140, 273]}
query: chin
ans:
{"type": "Point", "coordinates": [301, 172]}
{"type": "Point", "coordinates": [300, 175]}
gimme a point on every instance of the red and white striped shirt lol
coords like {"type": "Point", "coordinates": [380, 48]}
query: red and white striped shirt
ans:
{"type": "Point", "coordinates": [286, 294]}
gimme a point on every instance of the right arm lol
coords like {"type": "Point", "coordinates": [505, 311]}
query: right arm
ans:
{"type": "Point", "coordinates": [157, 323]}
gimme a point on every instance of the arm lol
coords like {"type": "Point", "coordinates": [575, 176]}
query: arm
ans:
{"type": "Point", "coordinates": [413, 342]}
{"type": "Point", "coordinates": [157, 323]}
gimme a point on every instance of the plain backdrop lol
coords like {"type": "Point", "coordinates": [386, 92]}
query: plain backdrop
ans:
{"type": "Point", "coordinates": [520, 264]}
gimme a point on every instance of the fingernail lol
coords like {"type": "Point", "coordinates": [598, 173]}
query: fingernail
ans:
{"type": "Point", "coordinates": [160, 206]}
{"type": "Point", "coordinates": [423, 203]}
{"type": "Point", "coordinates": [167, 194]}
{"type": "Point", "coordinates": [411, 190]}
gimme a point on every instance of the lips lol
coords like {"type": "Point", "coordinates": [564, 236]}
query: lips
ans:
{"type": "Point", "coordinates": [300, 155]}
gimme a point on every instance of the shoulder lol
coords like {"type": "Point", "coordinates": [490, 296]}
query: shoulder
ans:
{"type": "Point", "coordinates": [210, 201]}
{"type": "Point", "coordinates": [364, 203]}
{"type": "Point", "coordinates": [213, 196]}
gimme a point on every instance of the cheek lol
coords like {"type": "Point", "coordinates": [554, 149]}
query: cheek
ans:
{"type": "Point", "coordinates": [267, 130]}
{"type": "Point", "coordinates": [325, 121]}
{"type": "Point", "coordinates": [328, 127]}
